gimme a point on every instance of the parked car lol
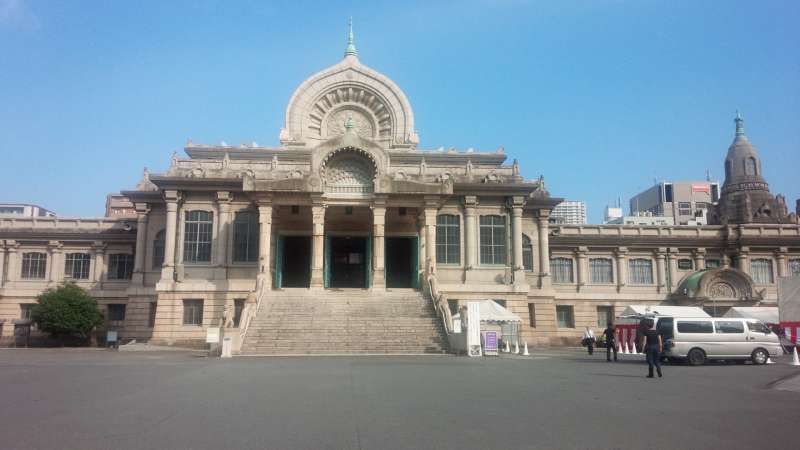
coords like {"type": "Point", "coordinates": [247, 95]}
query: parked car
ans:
{"type": "Point", "coordinates": [699, 340]}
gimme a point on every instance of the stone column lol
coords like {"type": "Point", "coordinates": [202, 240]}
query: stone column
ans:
{"type": "Point", "coordinates": [743, 265]}
{"type": "Point", "coordinates": [780, 259]}
{"type": "Point", "coordinates": [621, 254]}
{"type": "Point", "coordinates": [13, 261]}
{"type": "Point", "coordinates": [516, 229]}
{"type": "Point", "coordinates": [544, 247]}
{"type": "Point", "coordinates": [430, 238]}
{"type": "Point", "coordinates": [99, 250]}
{"type": "Point", "coordinates": [55, 263]}
{"type": "Point", "coordinates": [726, 261]}
{"type": "Point", "coordinates": [168, 268]}
{"type": "Point", "coordinates": [583, 267]}
{"type": "Point", "coordinates": [223, 231]}
{"type": "Point", "coordinates": [661, 270]}
{"type": "Point", "coordinates": [378, 223]}
{"type": "Point", "coordinates": [699, 258]}
{"type": "Point", "coordinates": [471, 236]}
{"type": "Point", "coordinates": [318, 245]}
{"type": "Point", "coordinates": [265, 243]}
{"type": "Point", "coordinates": [672, 257]}
{"type": "Point", "coordinates": [2, 263]}
{"type": "Point", "coordinates": [141, 243]}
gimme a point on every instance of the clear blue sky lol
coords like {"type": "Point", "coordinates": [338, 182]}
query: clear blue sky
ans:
{"type": "Point", "coordinates": [602, 97]}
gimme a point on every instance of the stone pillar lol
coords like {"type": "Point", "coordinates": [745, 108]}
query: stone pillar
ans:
{"type": "Point", "coordinates": [378, 223]}
{"type": "Point", "coordinates": [13, 268]}
{"type": "Point", "coordinates": [544, 247]}
{"type": "Point", "coordinates": [265, 243]}
{"type": "Point", "coordinates": [621, 254]}
{"type": "Point", "coordinates": [516, 229]}
{"type": "Point", "coordinates": [318, 245]}
{"type": "Point", "coordinates": [141, 243]}
{"type": "Point", "coordinates": [99, 250]}
{"type": "Point", "coordinates": [743, 264]}
{"type": "Point", "coordinates": [55, 262]}
{"type": "Point", "coordinates": [582, 265]}
{"type": "Point", "coordinates": [673, 269]}
{"type": "Point", "coordinates": [168, 268]}
{"type": "Point", "coordinates": [726, 261]}
{"type": "Point", "coordinates": [223, 231]}
{"type": "Point", "coordinates": [699, 258]}
{"type": "Point", "coordinates": [661, 270]}
{"type": "Point", "coordinates": [780, 259]}
{"type": "Point", "coordinates": [2, 263]}
{"type": "Point", "coordinates": [430, 238]}
{"type": "Point", "coordinates": [471, 235]}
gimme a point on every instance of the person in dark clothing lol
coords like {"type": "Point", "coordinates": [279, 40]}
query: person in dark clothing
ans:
{"type": "Point", "coordinates": [653, 345]}
{"type": "Point", "coordinates": [611, 341]}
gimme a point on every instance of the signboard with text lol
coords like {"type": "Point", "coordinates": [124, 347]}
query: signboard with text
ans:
{"type": "Point", "coordinates": [490, 343]}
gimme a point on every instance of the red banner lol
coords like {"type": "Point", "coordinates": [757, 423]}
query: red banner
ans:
{"type": "Point", "coordinates": [701, 188]}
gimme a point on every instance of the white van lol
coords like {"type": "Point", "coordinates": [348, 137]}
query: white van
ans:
{"type": "Point", "coordinates": [698, 340]}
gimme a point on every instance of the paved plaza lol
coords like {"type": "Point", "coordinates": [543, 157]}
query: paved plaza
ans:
{"type": "Point", "coordinates": [97, 399]}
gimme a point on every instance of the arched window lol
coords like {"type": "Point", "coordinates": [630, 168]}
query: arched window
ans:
{"type": "Point", "coordinates": [158, 249]}
{"type": "Point", "coordinates": [493, 240]}
{"type": "Point", "coordinates": [601, 271]}
{"type": "Point", "coordinates": [561, 269]}
{"type": "Point", "coordinates": [527, 253]}
{"type": "Point", "coordinates": [448, 239]}
{"type": "Point", "coordinates": [761, 271]}
{"type": "Point", "coordinates": [640, 271]}
{"type": "Point", "coordinates": [245, 236]}
{"type": "Point", "coordinates": [794, 267]}
{"type": "Point", "coordinates": [197, 234]}
{"type": "Point", "coordinates": [750, 166]}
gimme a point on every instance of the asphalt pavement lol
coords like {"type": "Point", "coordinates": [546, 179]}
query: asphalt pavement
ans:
{"type": "Point", "coordinates": [97, 399]}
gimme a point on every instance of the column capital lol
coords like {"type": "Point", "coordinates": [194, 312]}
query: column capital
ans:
{"type": "Point", "coordinates": [581, 251]}
{"type": "Point", "coordinates": [470, 201]}
{"type": "Point", "coordinates": [12, 245]}
{"type": "Point", "coordinates": [55, 246]}
{"type": "Point", "coordinates": [782, 252]}
{"type": "Point", "coordinates": [543, 215]}
{"type": "Point", "coordinates": [515, 202]}
{"type": "Point", "coordinates": [621, 251]}
{"type": "Point", "coordinates": [172, 196]}
{"type": "Point", "coordinates": [744, 251]}
{"type": "Point", "coordinates": [99, 247]}
{"type": "Point", "coordinates": [141, 209]}
{"type": "Point", "coordinates": [699, 251]}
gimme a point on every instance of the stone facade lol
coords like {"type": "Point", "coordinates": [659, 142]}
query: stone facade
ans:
{"type": "Point", "coordinates": [348, 201]}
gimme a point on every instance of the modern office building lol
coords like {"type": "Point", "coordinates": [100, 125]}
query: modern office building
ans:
{"type": "Point", "coordinates": [681, 200]}
{"type": "Point", "coordinates": [24, 210]}
{"type": "Point", "coordinates": [571, 212]}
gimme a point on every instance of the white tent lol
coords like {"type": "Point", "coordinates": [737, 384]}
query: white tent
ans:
{"type": "Point", "coordinates": [491, 311]}
{"type": "Point", "coordinates": [662, 310]}
{"type": "Point", "coordinates": [766, 314]}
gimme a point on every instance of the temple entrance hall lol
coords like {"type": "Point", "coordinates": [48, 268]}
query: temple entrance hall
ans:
{"type": "Point", "coordinates": [349, 262]}
{"type": "Point", "coordinates": [401, 262]}
{"type": "Point", "coordinates": [294, 261]}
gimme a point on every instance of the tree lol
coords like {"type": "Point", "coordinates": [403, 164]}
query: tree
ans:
{"type": "Point", "coordinates": [67, 312]}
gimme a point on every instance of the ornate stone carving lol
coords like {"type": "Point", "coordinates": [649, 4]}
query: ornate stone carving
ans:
{"type": "Point", "coordinates": [361, 123]}
{"type": "Point", "coordinates": [349, 172]}
{"type": "Point", "coordinates": [721, 289]}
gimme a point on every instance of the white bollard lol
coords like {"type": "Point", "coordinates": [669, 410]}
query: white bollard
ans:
{"type": "Point", "coordinates": [508, 348]}
{"type": "Point", "coordinates": [634, 351]}
{"type": "Point", "coordinates": [625, 348]}
{"type": "Point", "coordinates": [516, 347]}
{"type": "Point", "coordinates": [795, 360]}
{"type": "Point", "coordinates": [525, 352]}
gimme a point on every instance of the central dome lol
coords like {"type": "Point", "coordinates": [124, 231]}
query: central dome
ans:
{"type": "Point", "coordinates": [321, 104]}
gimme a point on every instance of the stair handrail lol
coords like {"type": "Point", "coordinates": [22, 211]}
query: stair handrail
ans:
{"type": "Point", "coordinates": [252, 306]}
{"type": "Point", "coordinates": [440, 303]}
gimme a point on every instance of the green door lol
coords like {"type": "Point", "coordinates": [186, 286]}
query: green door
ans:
{"type": "Point", "coordinates": [279, 262]}
{"type": "Point", "coordinates": [415, 262]}
{"type": "Point", "coordinates": [326, 265]}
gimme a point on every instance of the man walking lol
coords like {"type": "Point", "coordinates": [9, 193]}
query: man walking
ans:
{"type": "Point", "coordinates": [588, 339]}
{"type": "Point", "coordinates": [611, 341]}
{"type": "Point", "coordinates": [653, 346]}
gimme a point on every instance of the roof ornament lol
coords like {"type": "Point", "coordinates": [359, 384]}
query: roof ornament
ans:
{"type": "Point", "coordinates": [349, 124]}
{"type": "Point", "coordinates": [739, 124]}
{"type": "Point", "coordinates": [351, 46]}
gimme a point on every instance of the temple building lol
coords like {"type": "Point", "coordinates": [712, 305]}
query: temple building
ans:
{"type": "Point", "coordinates": [347, 237]}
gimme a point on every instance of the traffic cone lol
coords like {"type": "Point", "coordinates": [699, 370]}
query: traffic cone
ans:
{"type": "Point", "coordinates": [770, 361]}
{"type": "Point", "coordinates": [516, 347]}
{"type": "Point", "coordinates": [625, 349]}
{"type": "Point", "coordinates": [634, 351]}
{"type": "Point", "coordinates": [525, 352]}
{"type": "Point", "coordinates": [508, 348]}
{"type": "Point", "coordinates": [795, 360]}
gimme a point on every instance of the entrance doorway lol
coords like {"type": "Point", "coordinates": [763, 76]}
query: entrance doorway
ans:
{"type": "Point", "coordinates": [402, 262]}
{"type": "Point", "coordinates": [294, 262]}
{"type": "Point", "coordinates": [349, 262]}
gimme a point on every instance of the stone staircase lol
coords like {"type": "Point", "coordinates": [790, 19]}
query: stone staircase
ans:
{"type": "Point", "coordinates": [299, 321]}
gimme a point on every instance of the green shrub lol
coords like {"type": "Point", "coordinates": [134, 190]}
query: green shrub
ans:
{"type": "Point", "coordinates": [67, 312]}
